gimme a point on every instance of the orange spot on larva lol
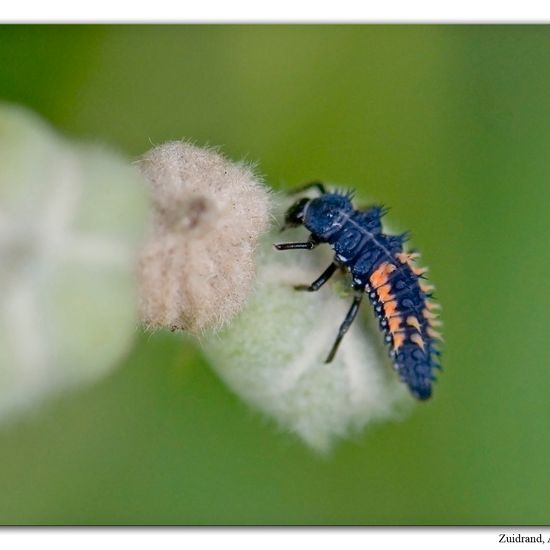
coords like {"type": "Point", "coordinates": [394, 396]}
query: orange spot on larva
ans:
{"type": "Point", "coordinates": [384, 293]}
{"type": "Point", "coordinates": [403, 257]}
{"type": "Point", "coordinates": [417, 339]}
{"type": "Point", "coordinates": [412, 321]}
{"type": "Point", "coordinates": [434, 334]}
{"type": "Point", "coordinates": [425, 287]}
{"type": "Point", "coordinates": [390, 308]}
{"type": "Point", "coordinates": [394, 324]}
{"type": "Point", "coordinates": [435, 322]}
{"type": "Point", "coordinates": [419, 270]}
{"type": "Point", "coordinates": [407, 257]}
{"type": "Point", "coordinates": [429, 314]}
{"type": "Point", "coordinates": [380, 276]}
{"type": "Point", "coordinates": [398, 340]}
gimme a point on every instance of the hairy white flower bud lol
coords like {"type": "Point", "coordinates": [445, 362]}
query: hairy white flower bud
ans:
{"type": "Point", "coordinates": [71, 222]}
{"type": "Point", "coordinates": [272, 355]}
{"type": "Point", "coordinates": [197, 267]}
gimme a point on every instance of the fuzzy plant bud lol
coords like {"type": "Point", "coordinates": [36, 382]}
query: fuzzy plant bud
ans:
{"type": "Point", "coordinates": [197, 268]}
{"type": "Point", "coordinates": [71, 222]}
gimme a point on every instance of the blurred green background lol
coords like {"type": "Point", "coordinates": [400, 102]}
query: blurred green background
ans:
{"type": "Point", "coordinates": [450, 126]}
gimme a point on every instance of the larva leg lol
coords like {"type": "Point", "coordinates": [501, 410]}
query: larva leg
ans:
{"type": "Point", "coordinates": [345, 325]}
{"type": "Point", "coordinates": [318, 283]}
{"type": "Point", "coordinates": [308, 245]}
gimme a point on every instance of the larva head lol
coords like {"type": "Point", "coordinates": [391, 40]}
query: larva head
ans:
{"type": "Point", "coordinates": [326, 214]}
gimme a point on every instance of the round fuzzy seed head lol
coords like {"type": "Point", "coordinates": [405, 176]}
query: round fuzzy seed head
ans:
{"type": "Point", "coordinates": [197, 267]}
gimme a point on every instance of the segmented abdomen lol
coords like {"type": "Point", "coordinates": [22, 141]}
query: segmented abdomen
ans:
{"type": "Point", "coordinates": [398, 292]}
{"type": "Point", "coordinates": [407, 317]}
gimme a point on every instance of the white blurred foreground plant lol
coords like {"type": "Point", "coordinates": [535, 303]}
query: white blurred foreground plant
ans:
{"type": "Point", "coordinates": [71, 221]}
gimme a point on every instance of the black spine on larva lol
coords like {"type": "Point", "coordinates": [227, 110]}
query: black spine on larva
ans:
{"type": "Point", "coordinates": [378, 264]}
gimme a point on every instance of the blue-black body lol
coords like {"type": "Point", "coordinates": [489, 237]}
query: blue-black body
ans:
{"type": "Point", "coordinates": [380, 268]}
